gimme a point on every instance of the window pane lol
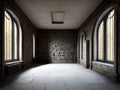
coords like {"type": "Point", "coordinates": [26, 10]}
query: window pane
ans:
{"type": "Point", "coordinates": [110, 36]}
{"type": "Point", "coordinates": [8, 36]}
{"type": "Point", "coordinates": [15, 41]}
{"type": "Point", "coordinates": [82, 40]}
{"type": "Point", "coordinates": [34, 46]}
{"type": "Point", "coordinates": [20, 44]}
{"type": "Point", "coordinates": [100, 41]}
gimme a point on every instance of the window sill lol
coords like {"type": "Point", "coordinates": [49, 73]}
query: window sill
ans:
{"type": "Point", "coordinates": [103, 63]}
{"type": "Point", "coordinates": [13, 63]}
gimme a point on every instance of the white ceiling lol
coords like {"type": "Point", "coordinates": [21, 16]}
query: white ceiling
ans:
{"type": "Point", "coordinates": [76, 12]}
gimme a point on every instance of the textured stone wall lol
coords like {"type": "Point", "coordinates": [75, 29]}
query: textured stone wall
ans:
{"type": "Point", "coordinates": [56, 46]}
{"type": "Point", "coordinates": [104, 68]}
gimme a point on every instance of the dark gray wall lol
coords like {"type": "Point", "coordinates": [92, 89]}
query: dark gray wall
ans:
{"type": "Point", "coordinates": [88, 27]}
{"type": "Point", "coordinates": [118, 44]}
{"type": "Point", "coordinates": [1, 37]}
{"type": "Point", "coordinates": [56, 46]}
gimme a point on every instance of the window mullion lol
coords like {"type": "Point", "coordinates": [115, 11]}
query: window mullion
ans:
{"type": "Point", "coordinates": [12, 39]}
{"type": "Point", "coordinates": [105, 37]}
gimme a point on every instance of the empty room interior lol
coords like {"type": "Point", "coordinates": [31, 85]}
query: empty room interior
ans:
{"type": "Point", "coordinates": [59, 44]}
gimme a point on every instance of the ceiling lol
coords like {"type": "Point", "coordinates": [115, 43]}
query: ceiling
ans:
{"type": "Point", "coordinates": [76, 12]}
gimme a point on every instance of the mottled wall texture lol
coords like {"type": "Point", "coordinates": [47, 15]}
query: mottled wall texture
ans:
{"type": "Point", "coordinates": [56, 46]}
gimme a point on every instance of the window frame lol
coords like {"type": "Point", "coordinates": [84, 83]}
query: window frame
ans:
{"type": "Point", "coordinates": [82, 42]}
{"type": "Point", "coordinates": [13, 20]}
{"type": "Point", "coordinates": [104, 19]}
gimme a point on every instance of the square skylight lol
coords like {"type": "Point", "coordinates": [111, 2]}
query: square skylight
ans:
{"type": "Point", "coordinates": [57, 17]}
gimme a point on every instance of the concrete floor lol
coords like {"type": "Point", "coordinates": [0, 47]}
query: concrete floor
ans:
{"type": "Point", "coordinates": [58, 77]}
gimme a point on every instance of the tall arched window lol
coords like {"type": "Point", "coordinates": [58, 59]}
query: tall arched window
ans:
{"type": "Point", "coordinates": [12, 38]}
{"type": "Point", "coordinates": [82, 45]}
{"type": "Point", "coordinates": [82, 39]}
{"type": "Point", "coordinates": [106, 37]}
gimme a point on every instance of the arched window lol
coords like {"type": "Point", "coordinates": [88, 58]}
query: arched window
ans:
{"type": "Point", "coordinates": [106, 38]}
{"type": "Point", "coordinates": [82, 42]}
{"type": "Point", "coordinates": [82, 46]}
{"type": "Point", "coordinates": [12, 38]}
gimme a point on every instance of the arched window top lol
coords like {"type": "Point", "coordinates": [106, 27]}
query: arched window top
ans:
{"type": "Point", "coordinates": [104, 14]}
{"type": "Point", "coordinates": [7, 15]}
{"type": "Point", "coordinates": [13, 16]}
{"type": "Point", "coordinates": [83, 35]}
{"type": "Point", "coordinates": [111, 14]}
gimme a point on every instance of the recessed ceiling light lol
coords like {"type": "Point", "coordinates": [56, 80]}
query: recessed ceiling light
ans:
{"type": "Point", "coordinates": [57, 17]}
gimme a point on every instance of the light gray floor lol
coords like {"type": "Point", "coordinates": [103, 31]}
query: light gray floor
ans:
{"type": "Point", "coordinates": [59, 77]}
